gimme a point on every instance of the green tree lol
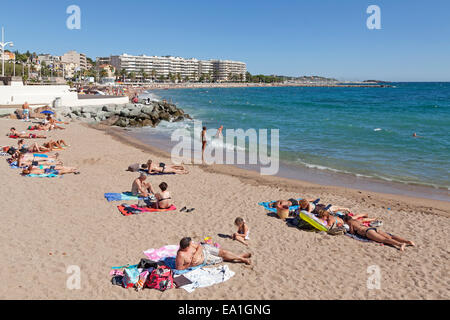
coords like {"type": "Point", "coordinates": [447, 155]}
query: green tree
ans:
{"type": "Point", "coordinates": [103, 73]}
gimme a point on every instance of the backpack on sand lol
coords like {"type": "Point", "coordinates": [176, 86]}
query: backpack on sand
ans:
{"type": "Point", "coordinates": [160, 279]}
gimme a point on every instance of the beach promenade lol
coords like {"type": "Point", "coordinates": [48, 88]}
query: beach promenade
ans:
{"type": "Point", "coordinates": [48, 225]}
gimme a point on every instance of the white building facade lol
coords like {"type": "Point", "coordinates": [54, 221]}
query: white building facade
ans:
{"type": "Point", "coordinates": [181, 68]}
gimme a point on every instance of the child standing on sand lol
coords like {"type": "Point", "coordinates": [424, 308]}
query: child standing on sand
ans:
{"type": "Point", "coordinates": [243, 231]}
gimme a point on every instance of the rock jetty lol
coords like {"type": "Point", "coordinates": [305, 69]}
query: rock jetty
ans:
{"type": "Point", "coordinates": [127, 115]}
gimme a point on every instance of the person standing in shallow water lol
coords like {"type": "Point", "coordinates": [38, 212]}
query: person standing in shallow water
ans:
{"type": "Point", "coordinates": [219, 132]}
{"type": "Point", "coordinates": [203, 138]}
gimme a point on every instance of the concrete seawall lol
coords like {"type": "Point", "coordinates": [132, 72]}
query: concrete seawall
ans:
{"type": "Point", "coordinates": [13, 96]}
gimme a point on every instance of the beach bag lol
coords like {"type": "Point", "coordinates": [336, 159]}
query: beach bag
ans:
{"type": "Point", "coordinates": [130, 277]}
{"type": "Point", "coordinates": [337, 231]}
{"type": "Point", "coordinates": [160, 279]}
{"type": "Point", "coordinates": [147, 264]}
{"type": "Point", "coordinates": [142, 279]}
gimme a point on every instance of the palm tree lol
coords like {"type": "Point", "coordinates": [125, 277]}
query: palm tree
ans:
{"type": "Point", "coordinates": [123, 73]}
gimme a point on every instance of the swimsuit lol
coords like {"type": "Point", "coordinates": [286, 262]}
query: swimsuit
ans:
{"type": "Point", "coordinates": [368, 229]}
{"type": "Point", "coordinates": [211, 254]}
{"type": "Point", "coordinates": [247, 237]}
{"type": "Point", "coordinates": [51, 171]}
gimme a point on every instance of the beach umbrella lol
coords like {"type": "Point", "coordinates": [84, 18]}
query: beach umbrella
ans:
{"type": "Point", "coordinates": [47, 112]}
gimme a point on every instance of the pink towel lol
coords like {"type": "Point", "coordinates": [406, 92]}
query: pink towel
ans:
{"type": "Point", "coordinates": [161, 253]}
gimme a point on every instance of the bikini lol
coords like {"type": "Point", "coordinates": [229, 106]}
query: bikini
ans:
{"type": "Point", "coordinates": [247, 237]}
{"type": "Point", "coordinates": [368, 229]}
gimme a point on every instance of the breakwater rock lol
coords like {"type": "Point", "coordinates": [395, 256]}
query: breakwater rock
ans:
{"type": "Point", "coordinates": [128, 115]}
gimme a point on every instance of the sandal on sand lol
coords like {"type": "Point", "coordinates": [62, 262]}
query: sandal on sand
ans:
{"type": "Point", "coordinates": [184, 209]}
{"type": "Point", "coordinates": [190, 210]}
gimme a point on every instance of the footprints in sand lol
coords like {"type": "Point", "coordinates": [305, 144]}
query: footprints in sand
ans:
{"type": "Point", "coordinates": [90, 161]}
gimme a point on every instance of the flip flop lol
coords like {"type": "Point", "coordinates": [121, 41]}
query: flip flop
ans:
{"type": "Point", "coordinates": [184, 209]}
{"type": "Point", "coordinates": [190, 210]}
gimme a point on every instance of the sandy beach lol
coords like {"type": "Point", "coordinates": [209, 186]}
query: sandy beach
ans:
{"type": "Point", "coordinates": [48, 225]}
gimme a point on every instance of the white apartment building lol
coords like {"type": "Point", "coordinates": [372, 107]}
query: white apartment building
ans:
{"type": "Point", "coordinates": [76, 58]}
{"type": "Point", "coordinates": [219, 70]}
{"type": "Point", "coordinates": [225, 70]}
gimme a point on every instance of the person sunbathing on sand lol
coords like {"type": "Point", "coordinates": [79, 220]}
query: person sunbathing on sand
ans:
{"type": "Point", "coordinates": [142, 188]}
{"type": "Point", "coordinates": [13, 133]}
{"type": "Point", "coordinates": [52, 122]}
{"type": "Point", "coordinates": [16, 155]}
{"type": "Point", "coordinates": [40, 127]}
{"type": "Point", "coordinates": [150, 167]}
{"type": "Point", "coordinates": [162, 199]}
{"type": "Point", "coordinates": [58, 144]}
{"type": "Point", "coordinates": [52, 170]}
{"type": "Point", "coordinates": [33, 148]}
{"type": "Point", "coordinates": [21, 162]}
{"type": "Point", "coordinates": [193, 254]}
{"type": "Point", "coordinates": [330, 220]}
{"type": "Point", "coordinates": [283, 206]}
{"type": "Point", "coordinates": [356, 227]}
{"type": "Point", "coordinates": [243, 231]}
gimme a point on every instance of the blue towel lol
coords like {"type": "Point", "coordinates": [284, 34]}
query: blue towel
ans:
{"type": "Point", "coordinates": [42, 175]}
{"type": "Point", "coordinates": [125, 196]}
{"type": "Point", "coordinates": [13, 165]}
{"type": "Point", "coordinates": [358, 237]}
{"type": "Point", "coordinates": [170, 262]}
{"type": "Point", "coordinates": [266, 206]}
{"type": "Point", "coordinates": [156, 173]}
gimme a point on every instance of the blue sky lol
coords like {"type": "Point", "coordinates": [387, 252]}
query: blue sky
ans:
{"type": "Point", "coordinates": [289, 37]}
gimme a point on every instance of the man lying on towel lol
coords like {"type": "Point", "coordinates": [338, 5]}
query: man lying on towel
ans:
{"type": "Point", "coordinates": [193, 254]}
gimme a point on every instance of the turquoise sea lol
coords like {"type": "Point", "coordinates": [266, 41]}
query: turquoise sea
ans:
{"type": "Point", "coordinates": [365, 132]}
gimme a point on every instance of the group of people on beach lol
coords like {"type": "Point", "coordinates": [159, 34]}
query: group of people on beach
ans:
{"type": "Point", "coordinates": [190, 254]}
{"type": "Point", "coordinates": [339, 217]}
{"type": "Point", "coordinates": [34, 158]}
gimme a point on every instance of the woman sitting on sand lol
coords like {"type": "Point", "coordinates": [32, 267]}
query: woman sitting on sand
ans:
{"type": "Point", "coordinates": [14, 134]}
{"type": "Point", "coordinates": [151, 168]}
{"type": "Point", "coordinates": [52, 170]}
{"type": "Point", "coordinates": [242, 234]}
{"type": "Point", "coordinates": [162, 198]}
{"type": "Point", "coordinates": [356, 227]}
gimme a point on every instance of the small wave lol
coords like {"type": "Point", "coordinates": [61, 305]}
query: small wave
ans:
{"type": "Point", "coordinates": [376, 176]}
{"type": "Point", "coordinates": [151, 95]}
